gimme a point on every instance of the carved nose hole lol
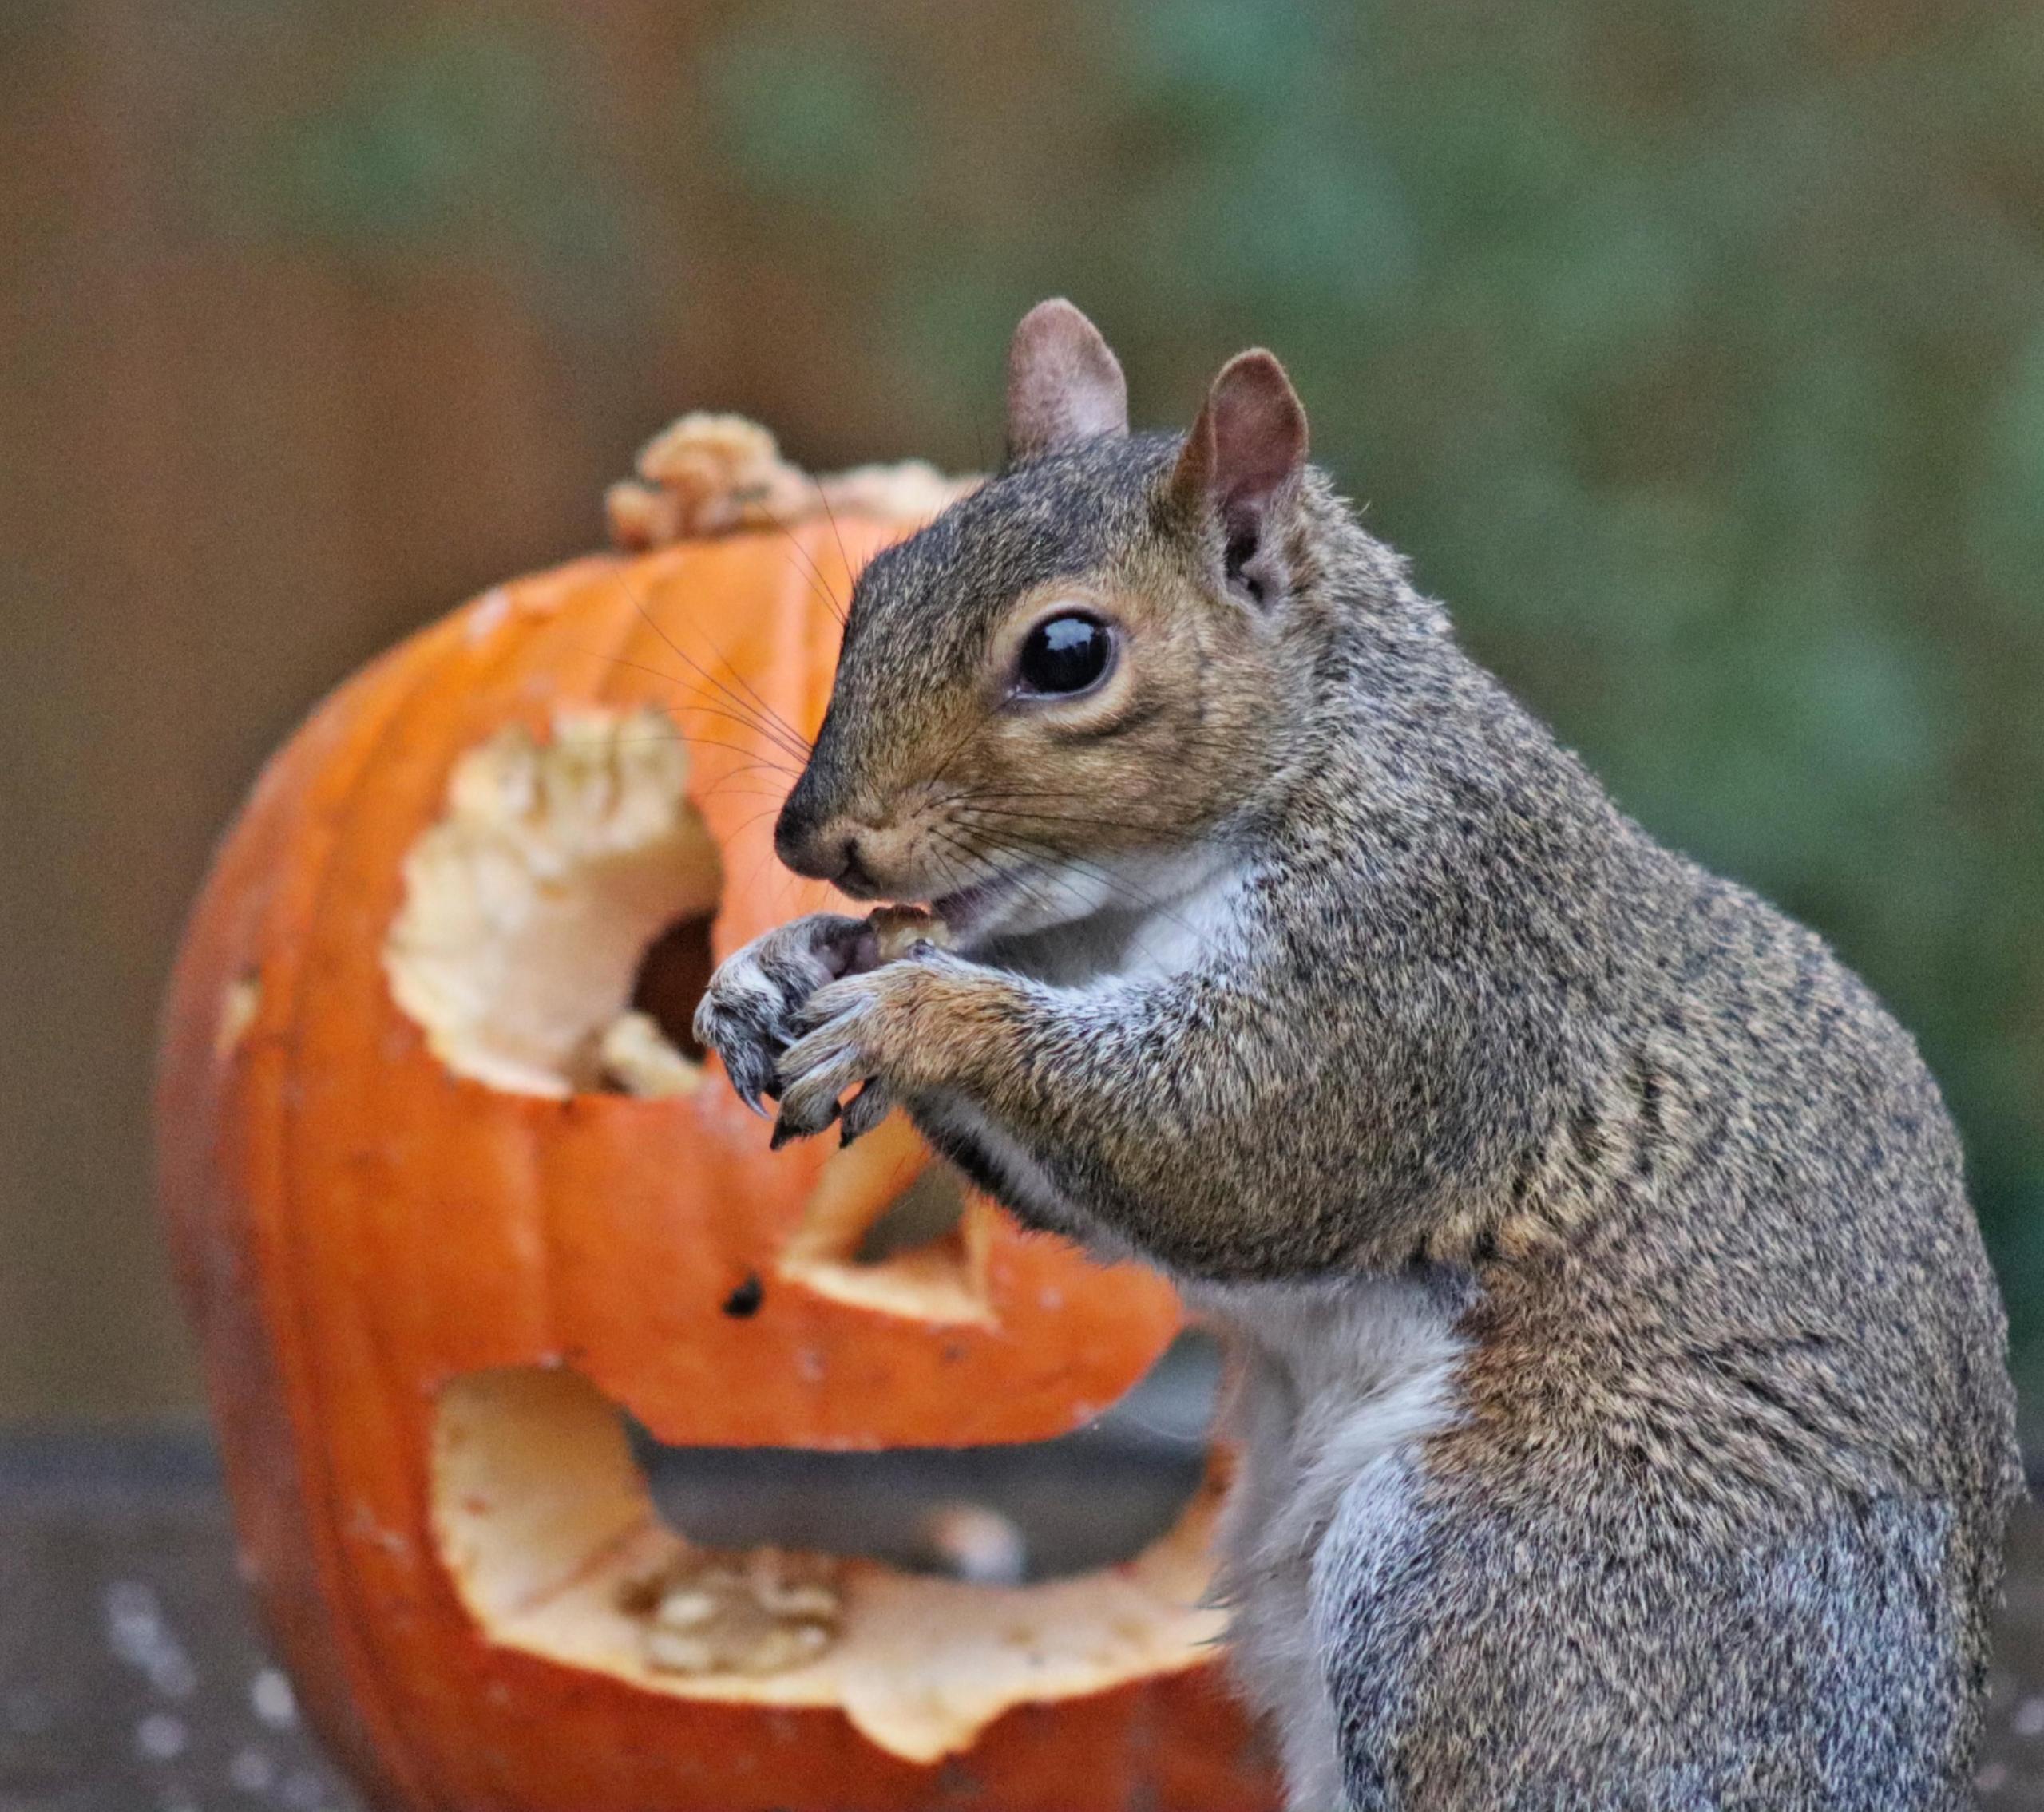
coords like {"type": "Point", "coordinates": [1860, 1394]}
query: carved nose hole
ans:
{"type": "Point", "coordinates": [672, 974]}
{"type": "Point", "coordinates": [891, 1227]}
{"type": "Point", "coordinates": [556, 914]}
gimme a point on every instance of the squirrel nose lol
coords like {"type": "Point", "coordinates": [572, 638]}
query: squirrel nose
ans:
{"type": "Point", "coordinates": [823, 851]}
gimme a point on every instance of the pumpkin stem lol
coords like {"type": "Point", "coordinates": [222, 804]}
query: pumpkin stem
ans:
{"type": "Point", "coordinates": [708, 475]}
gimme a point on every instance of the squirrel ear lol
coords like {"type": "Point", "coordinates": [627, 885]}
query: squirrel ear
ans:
{"type": "Point", "coordinates": [1064, 383]}
{"type": "Point", "coordinates": [1242, 460]}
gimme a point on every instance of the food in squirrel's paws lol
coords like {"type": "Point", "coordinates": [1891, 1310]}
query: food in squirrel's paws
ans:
{"type": "Point", "coordinates": [898, 929]}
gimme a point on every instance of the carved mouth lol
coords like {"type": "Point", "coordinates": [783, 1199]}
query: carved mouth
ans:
{"type": "Point", "coordinates": [555, 1546]}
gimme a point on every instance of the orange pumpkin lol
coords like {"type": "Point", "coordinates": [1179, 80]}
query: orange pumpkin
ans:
{"type": "Point", "coordinates": [444, 1201]}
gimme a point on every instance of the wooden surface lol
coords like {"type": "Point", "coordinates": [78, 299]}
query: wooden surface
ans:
{"type": "Point", "coordinates": [132, 1679]}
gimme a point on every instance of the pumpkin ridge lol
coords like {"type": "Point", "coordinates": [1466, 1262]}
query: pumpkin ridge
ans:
{"type": "Point", "coordinates": [428, 662]}
{"type": "Point", "coordinates": [397, 1750]}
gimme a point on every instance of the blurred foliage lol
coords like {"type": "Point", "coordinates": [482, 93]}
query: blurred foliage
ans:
{"type": "Point", "coordinates": [1695, 350]}
{"type": "Point", "coordinates": [461, 138]}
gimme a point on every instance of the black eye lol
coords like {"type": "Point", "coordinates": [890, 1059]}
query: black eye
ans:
{"type": "Point", "coordinates": [1064, 655]}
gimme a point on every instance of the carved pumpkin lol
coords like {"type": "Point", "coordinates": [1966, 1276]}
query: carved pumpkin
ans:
{"type": "Point", "coordinates": [447, 1195]}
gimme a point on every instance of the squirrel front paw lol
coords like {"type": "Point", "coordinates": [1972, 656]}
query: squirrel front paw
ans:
{"type": "Point", "coordinates": [747, 1014]}
{"type": "Point", "coordinates": [889, 1033]}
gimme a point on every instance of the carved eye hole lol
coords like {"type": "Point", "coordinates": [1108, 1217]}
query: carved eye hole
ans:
{"type": "Point", "coordinates": [1064, 655]}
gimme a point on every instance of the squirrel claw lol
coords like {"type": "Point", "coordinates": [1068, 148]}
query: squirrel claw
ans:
{"type": "Point", "coordinates": [751, 1079]}
{"type": "Point", "coordinates": [864, 1112]}
{"type": "Point", "coordinates": [786, 1130]}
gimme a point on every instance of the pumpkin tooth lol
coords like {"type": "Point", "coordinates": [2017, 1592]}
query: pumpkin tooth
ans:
{"type": "Point", "coordinates": [678, 1654]}
{"type": "Point", "coordinates": [684, 1609]}
{"type": "Point", "coordinates": [633, 1056]}
{"type": "Point", "coordinates": [757, 1613]}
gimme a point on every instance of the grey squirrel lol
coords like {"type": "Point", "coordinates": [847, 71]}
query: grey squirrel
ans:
{"type": "Point", "coordinates": [1623, 1396]}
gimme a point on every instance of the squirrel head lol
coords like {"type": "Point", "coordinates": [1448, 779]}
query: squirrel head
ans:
{"type": "Point", "coordinates": [1078, 675]}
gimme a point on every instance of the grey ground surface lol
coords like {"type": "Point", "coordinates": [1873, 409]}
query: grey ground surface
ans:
{"type": "Point", "coordinates": [133, 1677]}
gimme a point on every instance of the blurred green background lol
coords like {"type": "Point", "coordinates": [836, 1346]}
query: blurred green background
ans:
{"type": "Point", "coordinates": [1695, 351]}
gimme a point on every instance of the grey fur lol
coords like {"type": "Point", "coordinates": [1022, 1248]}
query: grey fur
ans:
{"type": "Point", "coordinates": [1335, 1381]}
{"type": "Point", "coordinates": [1711, 1511]}
{"type": "Point", "coordinates": [1813, 1666]}
{"type": "Point", "coordinates": [750, 1015]}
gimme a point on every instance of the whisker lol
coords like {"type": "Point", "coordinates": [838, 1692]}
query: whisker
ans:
{"type": "Point", "coordinates": [974, 796]}
{"type": "Point", "coordinates": [712, 710]}
{"type": "Point", "coordinates": [1174, 832]}
{"type": "Point", "coordinates": [830, 516]}
{"type": "Point", "coordinates": [1118, 887]}
{"type": "Point", "coordinates": [772, 725]}
{"type": "Point", "coordinates": [681, 735]}
{"type": "Point", "coordinates": [747, 722]}
{"type": "Point", "coordinates": [771, 715]}
{"type": "Point", "coordinates": [721, 790]}
{"type": "Point", "coordinates": [817, 582]}
{"type": "Point", "coordinates": [746, 823]}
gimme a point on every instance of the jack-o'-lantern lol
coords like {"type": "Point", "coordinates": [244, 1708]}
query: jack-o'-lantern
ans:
{"type": "Point", "coordinates": [451, 1193]}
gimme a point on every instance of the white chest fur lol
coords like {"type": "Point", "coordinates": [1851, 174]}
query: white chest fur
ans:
{"type": "Point", "coordinates": [1335, 1380]}
{"type": "Point", "coordinates": [1142, 919]}
{"type": "Point", "coordinates": [1145, 922]}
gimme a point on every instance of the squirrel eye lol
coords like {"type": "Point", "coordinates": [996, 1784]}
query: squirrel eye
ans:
{"type": "Point", "coordinates": [1064, 655]}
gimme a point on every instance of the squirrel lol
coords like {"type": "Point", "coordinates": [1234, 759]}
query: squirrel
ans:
{"type": "Point", "coordinates": [1621, 1388]}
